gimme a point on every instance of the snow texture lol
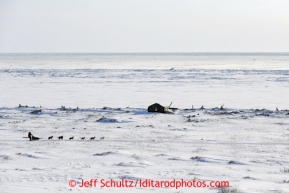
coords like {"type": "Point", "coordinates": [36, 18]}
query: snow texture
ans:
{"type": "Point", "coordinates": [245, 141]}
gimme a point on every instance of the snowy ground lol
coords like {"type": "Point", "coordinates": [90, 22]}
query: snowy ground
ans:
{"type": "Point", "coordinates": [248, 148]}
{"type": "Point", "coordinates": [246, 144]}
{"type": "Point", "coordinates": [139, 88]}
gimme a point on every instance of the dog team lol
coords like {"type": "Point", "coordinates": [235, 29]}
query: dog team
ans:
{"type": "Point", "coordinates": [32, 138]}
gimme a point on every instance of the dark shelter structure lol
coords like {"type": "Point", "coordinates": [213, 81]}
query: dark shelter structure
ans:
{"type": "Point", "coordinates": [157, 108]}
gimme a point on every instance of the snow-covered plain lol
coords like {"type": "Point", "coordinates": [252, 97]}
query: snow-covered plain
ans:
{"type": "Point", "coordinates": [247, 143]}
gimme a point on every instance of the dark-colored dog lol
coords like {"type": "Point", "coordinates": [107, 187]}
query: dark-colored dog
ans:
{"type": "Point", "coordinates": [82, 138]}
{"type": "Point", "coordinates": [49, 138]}
{"type": "Point", "coordinates": [102, 138]}
{"type": "Point", "coordinates": [60, 137]}
{"type": "Point", "coordinates": [71, 138]}
{"type": "Point", "coordinates": [92, 138]}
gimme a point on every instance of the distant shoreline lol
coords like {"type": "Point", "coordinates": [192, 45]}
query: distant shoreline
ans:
{"type": "Point", "coordinates": [157, 53]}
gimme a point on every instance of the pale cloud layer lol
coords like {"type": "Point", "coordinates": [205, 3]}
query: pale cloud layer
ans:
{"type": "Point", "coordinates": [144, 26]}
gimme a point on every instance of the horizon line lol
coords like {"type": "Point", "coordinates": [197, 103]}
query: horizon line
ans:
{"type": "Point", "coordinates": [144, 52]}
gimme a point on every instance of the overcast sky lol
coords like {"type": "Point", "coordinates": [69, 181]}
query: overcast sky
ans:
{"type": "Point", "coordinates": [30, 26]}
